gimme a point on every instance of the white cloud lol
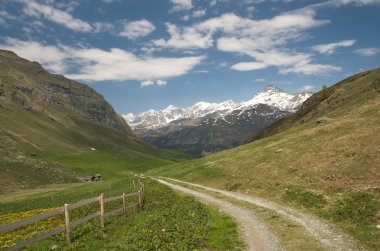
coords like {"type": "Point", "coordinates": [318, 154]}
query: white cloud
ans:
{"type": "Point", "coordinates": [103, 27]}
{"type": "Point", "coordinates": [60, 17]}
{"type": "Point", "coordinates": [95, 64]}
{"type": "Point", "coordinates": [185, 18]}
{"type": "Point", "coordinates": [129, 117]}
{"type": "Point", "coordinates": [250, 10]}
{"type": "Point", "coordinates": [199, 13]}
{"type": "Point", "coordinates": [310, 69]}
{"type": "Point", "coordinates": [249, 66]}
{"type": "Point", "coordinates": [67, 5]}
{"type": "Point", "coordinates": [149, 82]}
{"type": "Point", "coordinates": [366, 52]}
{"type": "Point", "coordinates": [161, 82]}
{"type": "Point", "coordinates": [287, 63]}
{"type": "Point", "coordinates": [137, 29]}
{"type": "Point", "coordinates": [187, 38]}
{"type": "Point", "coordinates": [146, 83]}
{"type": "Point", "coordinates": [181, 4]}
{"type": "Point", "coordinates": [263, 40]}
{"type": "Point", "coordinates": [307, 88]}
{"type": "Point", "coordinates": [4, 16]}
{"type": "Point", "coordinates": [329, 49]}
{"type": "Point", "coordinates": [356, 2]}
{"type": "Point", "coordinates": [117, 64]}
{"type": "Point", "coordinates": [213, 3]}
{"type": "Point", "coordinates": [202, 71]}
{"type": "Point", "coordinates": [266, 32]}
{"type": "Point", "coordinates": [337, 3]}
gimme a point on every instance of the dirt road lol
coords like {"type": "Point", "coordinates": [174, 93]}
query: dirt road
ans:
{"type": "Point", "coordinates": [255, 234]}
{"type": "Point", "coordinates": [328, 236]}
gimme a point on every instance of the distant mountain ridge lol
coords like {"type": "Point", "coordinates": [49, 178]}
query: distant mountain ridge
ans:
{"type": "Point", "coordinates": [205, 128]}
{"type": "Point", "coordinates": [271, 96]}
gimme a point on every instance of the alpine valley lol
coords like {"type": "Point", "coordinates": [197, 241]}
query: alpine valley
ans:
{"type": "Point", "coordinates": [205, 128]}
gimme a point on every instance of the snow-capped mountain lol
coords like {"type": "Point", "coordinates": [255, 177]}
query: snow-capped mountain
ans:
{"type": "Point", "coordinates": [271, 96]}
{"type": "Point", "coordinates": [275, 97]}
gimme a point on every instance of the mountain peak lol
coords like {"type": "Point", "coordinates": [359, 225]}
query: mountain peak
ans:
{"type": "Point", "coordinates": [272, 88]}
{"type": "Point", "coordinates": [170, 108]}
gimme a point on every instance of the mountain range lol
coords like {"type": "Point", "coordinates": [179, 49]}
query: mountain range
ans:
{"type": "Point", "coordinates": [204, 128]}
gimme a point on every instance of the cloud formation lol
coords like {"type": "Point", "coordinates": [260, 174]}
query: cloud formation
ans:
{"type": "Point", "coordinates": [184, 38]}
{"type": "Point", "coordinates": [146, 83]}
{"type": "Point", "coordinates": [367, 52]}
{"type": "Point", "coordinates": [329, 49]}
{"type": "Point", "coordinates": [137, 29]}
{"type": "Point", "coordinates": [95, 64]}
{"type": "Point", "coordinates": [265, 41]}
{"type": "Point", "coordinates": [57, 16]}
{"type": "Point", "coordinates": [181, 4]}
{"type": "Point", "coordinates": [307, 88]}
{"type": "Point", "coordinates": [149, 82]}
{"type": "Point", "coordinates": [199, 13]}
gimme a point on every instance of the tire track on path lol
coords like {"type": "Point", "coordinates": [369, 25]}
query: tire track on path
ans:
{"type": "Point", "coordinates": [255, 234]}
{"type": "Point", "coordinates": [328, 236]}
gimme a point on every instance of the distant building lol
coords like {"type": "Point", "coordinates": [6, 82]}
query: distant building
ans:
{"type": "Point", "coordinates": [92, 178]}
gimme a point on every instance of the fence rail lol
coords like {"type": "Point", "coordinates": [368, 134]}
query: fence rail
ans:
{"type": "Point", "coordinates": [69, 224]}
{"type": "Point", "coordinates": [21, 223]}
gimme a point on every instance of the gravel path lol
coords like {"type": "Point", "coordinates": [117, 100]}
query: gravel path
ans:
{"type": "Point", "coordinates": [327, 235]}
{"type": "Point", "coordinates": [255, 234]}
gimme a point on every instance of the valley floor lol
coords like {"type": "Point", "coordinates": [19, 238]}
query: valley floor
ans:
{"type": "Point", "coordinates": [310, 232]}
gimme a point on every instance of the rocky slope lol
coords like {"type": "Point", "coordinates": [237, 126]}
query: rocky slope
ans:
{"type": "Point", "coordinates": [209, 127]}
{"type": "Point", "coordinates": [28, 85]}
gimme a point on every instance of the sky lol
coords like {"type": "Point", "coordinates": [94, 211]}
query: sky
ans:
{"type": "Point", "coordinates": [148, 54]}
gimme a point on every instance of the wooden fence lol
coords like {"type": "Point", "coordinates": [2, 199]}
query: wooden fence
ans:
{"type": "Point", "coordinates": [69, 224]}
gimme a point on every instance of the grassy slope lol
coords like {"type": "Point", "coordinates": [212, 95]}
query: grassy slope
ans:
{"type": "Point", "coordinates": [168, 222]}
{"type": "Point", "coordinates": [332, 169]}
{"type": "Point", "coordinates": [109, 164]}
{"type": "Point", "coordinates": [24, 133]}
{"type": "Point", "coordinates": [54, 126]}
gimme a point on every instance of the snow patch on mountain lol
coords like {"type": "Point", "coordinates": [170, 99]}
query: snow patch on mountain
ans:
{"type": "Point", "coordinates": [272, 96]}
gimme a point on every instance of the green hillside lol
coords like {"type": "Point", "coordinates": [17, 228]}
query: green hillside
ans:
{"type": "Point", "coordinates": [331, 168]}
{"type": "Point", "coordinates": [44, 116]}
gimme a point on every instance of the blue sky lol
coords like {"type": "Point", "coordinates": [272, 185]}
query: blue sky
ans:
{"type": "Point", "coordinates": [143, 54]}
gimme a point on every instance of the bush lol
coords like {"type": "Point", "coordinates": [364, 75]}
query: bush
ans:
{"type": "Point", "coordinates": [326, 92]}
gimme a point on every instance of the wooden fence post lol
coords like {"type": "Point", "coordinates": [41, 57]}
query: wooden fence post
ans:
{"type": "Point", "coordinates": [124, 206]}
{"type": "Point", "coordinates": [101, 215]}
{"type": "Point", "coordinates": [139, 199]}
{"type": "Point", "coordinates": [67, 223]}
{"type": "Point", "coordinates": [143, 194]}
